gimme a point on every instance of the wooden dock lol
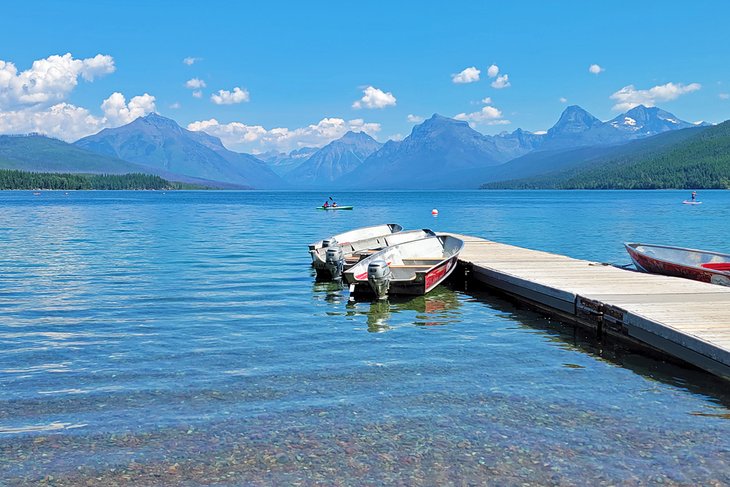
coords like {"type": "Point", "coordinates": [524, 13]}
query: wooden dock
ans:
{"type": "Point", "coordinates": [685, 319]}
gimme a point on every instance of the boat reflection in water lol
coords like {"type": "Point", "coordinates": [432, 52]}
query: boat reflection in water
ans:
{"type": "Point", "coordinates": [439, 307]}
{"type": "Point", "coordinates": [329, 291]}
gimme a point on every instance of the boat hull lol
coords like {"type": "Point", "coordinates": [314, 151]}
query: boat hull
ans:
{"type": "Point", "coordinates": [357, 250]}
{"type": "Point", "coordinates": [687, 270]}
{"type": "Point", "coordinates": [332, 208]}
{"type": "Point", "coordinates": [414, 283]}
{"type": "Point", "coordinates": [420, 286]}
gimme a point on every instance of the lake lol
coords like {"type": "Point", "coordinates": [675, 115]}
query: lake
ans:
{"type": "Point", "coordinates": [179, 338]}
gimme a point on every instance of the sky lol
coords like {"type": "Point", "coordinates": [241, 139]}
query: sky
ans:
{"type": "Point", "coordinates": [281, 75]}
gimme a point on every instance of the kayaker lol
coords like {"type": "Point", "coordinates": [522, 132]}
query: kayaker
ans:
{"type": "Point", "coordinates": [326, 204]}
{"type": "Point", "coordinates": [694, 195]}
{"type": "Point", "coordinates": [334, 203]}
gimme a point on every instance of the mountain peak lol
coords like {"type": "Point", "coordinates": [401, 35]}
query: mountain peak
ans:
{"type": "Point", "coordinates": [573, 120]}
{"type": "Point", "coordinates": [160, 143]}
{"type": "Point", "coordinates": [334, 160]}
{"type": "Point", "coordinates": [158, 120]}
{"type": "Point", "coordinates": [440, 119]}
{"type": "Point", "coordinates": [576, 111]}
{"type": "Point", "coordinates": [642, 111]}
{"type": "Point", "coordinates": [439, 122]}
{"type": "Point", "coordinates": [644, 121]}
{"type": "Point", "coordinates": [355, 137]}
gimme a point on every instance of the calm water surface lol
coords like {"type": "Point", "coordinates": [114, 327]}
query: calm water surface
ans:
{"type": "Point", "coordinates": [179, 338]}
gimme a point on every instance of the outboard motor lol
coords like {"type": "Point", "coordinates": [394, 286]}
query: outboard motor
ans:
{"type": "Point", "coordinates": [329, 242]}
{"type": "Point", "coordinates": [335, 261]}
{"type": "Point", "coordinates": [379, 276]}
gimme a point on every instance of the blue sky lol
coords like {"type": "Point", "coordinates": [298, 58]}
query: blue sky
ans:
{"type": "Point", "coordinates": [299, 63]}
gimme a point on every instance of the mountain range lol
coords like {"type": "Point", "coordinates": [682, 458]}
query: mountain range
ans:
{"type": "Point", "coordinates": [696, 158]}
{"type": "Point", "coordinates": [335, 160]}
{"type": "Point", "coordinates": [439, 153]}
{"type": "Point", "coordinates": [443, 153]}
{"type": "Point", "coordinates": [37, 153]}
{"type": "Point", "coordinates": [158, 142]}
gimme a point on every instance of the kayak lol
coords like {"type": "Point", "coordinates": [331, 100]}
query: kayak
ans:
{"type": "Point", "coordinates": [335, 208]}
{"type": "Point", "coordinates": [685, 202]}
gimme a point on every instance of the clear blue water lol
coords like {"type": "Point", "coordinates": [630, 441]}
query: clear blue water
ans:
{"type": "Point", "coordinates": [180, 338]}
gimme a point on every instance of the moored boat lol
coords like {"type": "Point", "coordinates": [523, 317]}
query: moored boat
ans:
{"type": "Point", "coordinates": [358, 239]}
{"type": "Point", "coordinates": [700, 265]}
{"type": "Point", "coordinates": [410, 268]}
{"type": "Point", "coordinates": [338, 257]}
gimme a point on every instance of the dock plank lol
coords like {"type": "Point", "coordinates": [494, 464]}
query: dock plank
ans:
{"type": "Point", "coordinates": [686, 319]}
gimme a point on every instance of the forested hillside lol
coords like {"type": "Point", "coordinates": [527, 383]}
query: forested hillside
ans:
{"type": "Point", "coordinates": [701, 161]}
{"type": "Point", "coordinates": [11, 179]}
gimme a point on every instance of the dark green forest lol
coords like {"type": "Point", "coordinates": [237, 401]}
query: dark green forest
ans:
{"type": "Point", "coordinates": [700, 162]}
{"type": "Point", "coordinates": [13, 179]}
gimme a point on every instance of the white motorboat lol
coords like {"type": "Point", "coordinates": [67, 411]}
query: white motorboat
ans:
{"type": "Point", "coordinates": [410, 268]}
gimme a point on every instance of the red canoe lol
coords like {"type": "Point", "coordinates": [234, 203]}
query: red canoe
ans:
{"type": "Point", "coordinates": [700, 265]}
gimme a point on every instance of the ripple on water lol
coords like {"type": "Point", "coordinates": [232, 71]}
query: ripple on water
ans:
{"type": "Point", "coordinates": [181, 339]}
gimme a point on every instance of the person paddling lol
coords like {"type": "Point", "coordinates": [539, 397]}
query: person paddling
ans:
{"type": "Point", "coordinates": [694, 195]}
{"type": "Point", "coordinates": [326, 204]}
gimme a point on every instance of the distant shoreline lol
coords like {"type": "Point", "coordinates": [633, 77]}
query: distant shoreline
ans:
{"type": "Point", "coordinates": [11, 179]}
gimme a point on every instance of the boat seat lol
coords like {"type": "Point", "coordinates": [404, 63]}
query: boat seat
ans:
{"type": "Point", "coordinates": [717, 266]}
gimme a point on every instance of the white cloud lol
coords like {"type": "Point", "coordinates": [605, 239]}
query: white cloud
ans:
{"type": "Point", "coordinates": [225, 97]}
{"type": "Point", "coordinates": [34, 100]}
{"type": "Point", "coordinates": [468, 75]}
{"type": "Point", "coordinates": [502, 81]}
{"type": "Point", "coordinates": [629, 97]}
{"type": "Point", "coordinates": [175, 105]}
{"type": "Point", "coordinates": [118, 112]}
{"type": "Point", "coordinates": [69, 122]}
{"type": "Point", "coordinates": [595, 69]}
{"type": "Point", "coordinates": [487, 100]}
{"type": "Point", "coordinates": [488, 115]}
{"type": "Point", "coordinates": [197, 94]}
{"type": "Point", "coordinates": [49, 80]}
{"type": "Point", "coordinates": [414, 118]}
{"type": "Point", "coordinates": [374, 98]}
{"type": "Point", "coordinates": [238, 135]}
{"type": "Point", "coordinates": [63, 121]}
{"type": "Point", "coordinates": [562, 99]}
{"type": "Point", "coordinates": [191, 60]}
{"type": "Point", "coordinates": [724, 96]}
{"type": "Point", "coordinates": [94, 67]}
{"type": "Point", "coordinates": [493, 71]}
{"type": "Point", "coordinates": [195, 84]}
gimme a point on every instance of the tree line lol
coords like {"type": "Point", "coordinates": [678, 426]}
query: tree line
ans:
{"type": "Point", "coordinates": [14, 179]}
{"type": "Point", "coordinates": [700, 162]}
